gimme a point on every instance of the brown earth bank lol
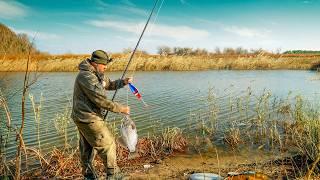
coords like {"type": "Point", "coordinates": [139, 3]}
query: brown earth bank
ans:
{"type": "Point", "coordinates": [168, 157]}
{"type": "Point", "coordinates": [181, 165]}
{"type": "Point", "coordinates": [171, 155]}
{"type": "Point", "coordinates": [143, 62]}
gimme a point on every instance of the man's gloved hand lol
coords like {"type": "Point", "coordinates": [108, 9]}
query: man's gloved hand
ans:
{"type": "Point", "coordinates": [125, 110]}
{"type": "Point", "coordinates": [128, 80]}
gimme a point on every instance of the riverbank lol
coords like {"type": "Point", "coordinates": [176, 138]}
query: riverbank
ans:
{"type": "Point", "coordinates": [274, 130]}
{"type": "Point", "coordinates": [143, 62]}
{"type": "Point", "coordinates": [182, 166]}
{"type": "Point", "coordinates": [178, 163]}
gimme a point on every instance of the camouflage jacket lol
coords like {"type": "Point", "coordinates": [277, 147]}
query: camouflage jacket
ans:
{"type": "Point", "coordinates": [89, 96]}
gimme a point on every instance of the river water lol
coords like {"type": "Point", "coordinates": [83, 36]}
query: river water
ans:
{"type": "Point", "coordinates": [174, 100]}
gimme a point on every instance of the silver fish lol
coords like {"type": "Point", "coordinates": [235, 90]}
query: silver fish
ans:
{"type": "Point", "coordinates": [128, 133]}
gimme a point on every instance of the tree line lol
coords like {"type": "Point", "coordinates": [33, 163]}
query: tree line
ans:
{"type": "Point", "coordinates": [181, 51]}
{"type": "Point", "coordinates": [301, 52]}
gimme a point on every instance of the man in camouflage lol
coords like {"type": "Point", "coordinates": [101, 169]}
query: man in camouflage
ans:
{"type": "Point", "coordinates": [89, 103]}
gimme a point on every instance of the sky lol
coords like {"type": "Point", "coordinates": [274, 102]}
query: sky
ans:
{"type": "Point", "coordinates": [82, 26]}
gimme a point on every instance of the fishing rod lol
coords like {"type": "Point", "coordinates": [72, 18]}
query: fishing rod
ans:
{"type": "Point", "coordinates": [133, 52]}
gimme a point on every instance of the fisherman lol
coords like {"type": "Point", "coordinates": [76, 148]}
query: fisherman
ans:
{"type": "Point", "coordinates": [89, 103]}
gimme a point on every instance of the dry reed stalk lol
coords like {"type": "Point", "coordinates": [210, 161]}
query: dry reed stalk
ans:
{"type": "Point", "coordinates": [65, 163]}
{"type": "Point", "coordinates": [232, 137]}
{"type": "Point", "coordinates": [36, 112]}
{"type": "Point", "coordinates": [313, 166]}
{"type": "Point", "coordinates": [60, 159]}
{"type": "Point", "coordinates": [4, 104]}
{"type": "Point", "coordinates": [175, 63]}
{"type": "Point", "coordinates": [5, 169]}
{"type": "Point", "coordinates": [39, 155]}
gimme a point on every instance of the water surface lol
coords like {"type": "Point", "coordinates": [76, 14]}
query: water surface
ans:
{"type": "Point", "coordinates": [175, 99]}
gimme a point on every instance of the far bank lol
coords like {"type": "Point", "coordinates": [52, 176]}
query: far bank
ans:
{"type": "Point", "coordinates": [143, 62]}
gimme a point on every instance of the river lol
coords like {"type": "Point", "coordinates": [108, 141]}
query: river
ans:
{"type": "Point", "coordinates": [174, 99]}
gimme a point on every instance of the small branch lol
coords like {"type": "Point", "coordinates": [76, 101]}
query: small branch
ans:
{"type": "Point", "coordinates": [4, 103]}
{"type": "Point", "coordinates": [20, 134]}
{"type": "Point", "coordinates": [313, 165]}
{"type": "Point", "coordinates": [41, 158]}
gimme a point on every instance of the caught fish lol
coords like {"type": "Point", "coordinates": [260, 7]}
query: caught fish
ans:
{"type": "Point", "coordinates": [129, 134]}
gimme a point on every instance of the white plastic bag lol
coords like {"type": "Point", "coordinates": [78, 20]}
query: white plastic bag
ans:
{"type": "Point", "coordinates": [129, 134]}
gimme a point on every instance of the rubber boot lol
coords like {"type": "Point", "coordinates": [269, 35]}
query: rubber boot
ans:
{"type": "Point", "coordinates": [89, 173]}
{"type": "Point", "coordinates": [115, 174]}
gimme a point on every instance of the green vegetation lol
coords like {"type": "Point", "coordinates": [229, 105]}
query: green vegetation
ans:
{"type": "Point", "coordinates": [301, 52]}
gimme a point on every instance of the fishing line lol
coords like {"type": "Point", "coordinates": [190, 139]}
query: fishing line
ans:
{"type": "Point", "coordinates": [156, 16]}
{"type": "Point", "coordinates": [148, 32]}
{"type": "Point", "coordinates": [135, 49]}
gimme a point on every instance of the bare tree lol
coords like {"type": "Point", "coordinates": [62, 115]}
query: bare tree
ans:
{"type": "Point", "coordinates": [241, 50]}
{"type": "Point", "coordinates": [200, 52]}
{"type": "Point", "coordinates": [217, 50]}
{"type": "Point", "coordinates": [127, 50]}
{"type": "Point", "coordinates": [229, 51]}
{"type": "Point", "coordinates": [164, 50]}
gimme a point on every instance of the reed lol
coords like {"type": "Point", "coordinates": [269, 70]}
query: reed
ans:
{"type": "Point", "coordinates": [233, 137]}
{"type": "Point", "coordinates": [65, 163]}
{"type": "Point", "coordinates": [36, 112]}
{"type": "Point", "coordinates": [172, 139]}
{"type": "Point", "coordinates": [305, 133]}
{"type": "Point", "coordinates": [61, 123]}
{"type": "Point", "coordinates": [4, 105]}
{"type": "Point", "coordinates": [279, 126]}
{"type": "Point", "coordinates": [69, 62]}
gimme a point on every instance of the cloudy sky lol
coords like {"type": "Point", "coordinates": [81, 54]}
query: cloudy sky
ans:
{"type": "Point", "coordinates": [81, 26]}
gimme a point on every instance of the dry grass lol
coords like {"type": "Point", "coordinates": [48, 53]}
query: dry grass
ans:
{"type": "Point", "coordinates": [292, 129]}
{"type": "Point", "coordinates": [305, 134]}
{"type": "Point", "coordinates": [4, 105]}
{"type": "Point", "coordinates": [143, 62]}
{"type": "Point", "coordinates": [65, 163]}
{"type": "Point", "coordinates": [233, 137]}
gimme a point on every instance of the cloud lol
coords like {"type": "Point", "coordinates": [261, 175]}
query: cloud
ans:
{"type": "Point", "coordinates": [158, 30]}
{"type": "Point", "coordinates": [208, 22]}
{"type": "Point", "coordinates": [183, 1]}
{"type": "Point", "coordinates": [127, 2]}
{"type": "Point", "coordinates": [12, 9]}
{"type": "Point", "coordinates": [127, 7]}
{"type": "Point", "coordinates": [247, 32]}
{"type": "Point", "coordinates": [240, 31]}
{"type": "Point", "coordinates": [37, 34]}
{"type": "Point", "coordinates": [134, 10]}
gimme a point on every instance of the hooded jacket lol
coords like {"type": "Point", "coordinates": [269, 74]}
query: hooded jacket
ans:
{"type": "Point", "coordinates": [89, 96]}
